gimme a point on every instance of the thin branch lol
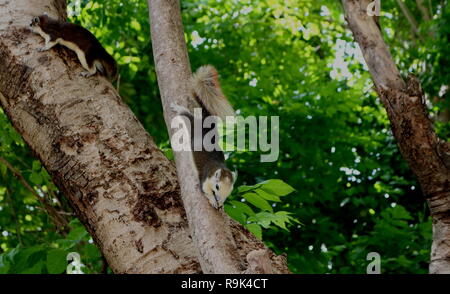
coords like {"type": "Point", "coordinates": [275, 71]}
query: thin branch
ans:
{"type": "Point", "coordinates": [412, 21]}
{"type": "Point", "coordinates": [59, 221]}
{"type": "Point", "coordinates": [14, 215]}
{"type": "Point", "coordinates": [221, 243]}
{"type": "Point", "coordinates": [424, 10]}
{"type": "Point", "coordinates": [211, 235]}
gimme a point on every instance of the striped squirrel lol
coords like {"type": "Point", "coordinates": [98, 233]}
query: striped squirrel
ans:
{"type": "Point", "coordinates": [216, 180]}
{"type": "Point", "coordinates": [91, 54]}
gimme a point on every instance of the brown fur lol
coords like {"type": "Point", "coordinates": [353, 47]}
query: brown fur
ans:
{"type": "Point", "coordinates": [81, 37]}
{"type": "Point", "coordinates": [216, 180]}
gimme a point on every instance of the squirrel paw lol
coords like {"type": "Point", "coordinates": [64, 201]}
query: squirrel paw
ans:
{"type": "Point", "coordinates": [214, 203]}
{"type": "Point", "coordinates": [86, 74]}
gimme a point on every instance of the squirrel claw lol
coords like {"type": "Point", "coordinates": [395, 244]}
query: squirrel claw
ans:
{"type": "Point", "coordinates": [86, 74]}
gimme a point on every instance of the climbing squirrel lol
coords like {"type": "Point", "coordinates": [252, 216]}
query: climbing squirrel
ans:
{"type": "Point", "coordinates": [91, 54]}
{"type": "Point", "coordinates": [216, 180]}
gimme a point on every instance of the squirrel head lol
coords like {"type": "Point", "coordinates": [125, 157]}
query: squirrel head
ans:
{"type": "Point", "coordinates": [219, 186]}
{"type": "Point", "coordinates": [38, 21]}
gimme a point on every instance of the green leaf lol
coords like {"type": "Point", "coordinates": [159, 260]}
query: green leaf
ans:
{"type": "Point", "coordinates": [27, 258]}
{"type": "Point", "coordinates": [92, 252]}
{"type": "Point", "coordinates": [4, 264]}
{"type": "Point", "coordinates": [56, 261]}
{"type": "Point", "coordinates": [36, 165]}
{"type": "Point", "coordinates": [255, 230]}
{"type": "Point", "coordinates": [34, 269]}
{"type": "Point", "coordinates": [277, 187]}
{"type": "Point", "coordinates": [242, 207]}
{"type": "Point", "coordinates": [36, 178]}
{"type": "Point", "coordinates": [262, 220]}
{"type": "Point", "coordinates": [244, 188]}
{"type": "Point", "coordinates": [399, 212]}
{"type": "Point", "coordinates": [77, 234]}
{"type": "Point", "coordinates": [235, 213]}
{"type": "Point", "coordinates": [257, 201]}
{"type": "Point", "coordinates": [268, 196]}
{"type": "Point", "coordinates": [135, 25]}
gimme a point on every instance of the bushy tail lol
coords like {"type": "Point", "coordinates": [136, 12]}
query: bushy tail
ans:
{"type": "Point", "coordinates": [206, 87]}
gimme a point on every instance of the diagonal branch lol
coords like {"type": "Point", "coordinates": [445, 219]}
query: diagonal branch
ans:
{"type": "Point", "coordinates": [221, 243]}
{"type": "Point", "coordinates": [59, 221]}
{"type": "Point", "coordinates": [424, 10]}
{"type": "Point", "coordinates": [14, 215]}
{"type": "Point", "coordinates": [410, 18]}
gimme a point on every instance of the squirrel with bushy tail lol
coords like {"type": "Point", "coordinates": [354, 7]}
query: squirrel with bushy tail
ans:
{"type": "Point", "coordinates": [216, 180]}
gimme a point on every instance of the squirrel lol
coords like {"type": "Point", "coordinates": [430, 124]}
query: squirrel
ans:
{"type": "Point", "coordinates": [216, 180]}
{"type": "Point", "coordinates": [91, 54]}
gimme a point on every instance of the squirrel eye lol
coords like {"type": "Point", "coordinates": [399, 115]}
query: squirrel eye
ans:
{"type": "Point", "coordinates": [217, 187]}
{"type": "Point", "coordinates": [36, 19]}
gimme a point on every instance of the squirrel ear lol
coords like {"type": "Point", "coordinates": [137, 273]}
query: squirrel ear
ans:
{"type": "Point", "coordinates": [217, 173]}
{"type": "Point", "coordinates": [235, 175]}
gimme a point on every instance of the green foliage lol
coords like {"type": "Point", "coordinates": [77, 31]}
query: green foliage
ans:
{"type": "Point", "coordinates": [259, 197]}
{"type": "Point", "coordinates": [51, 257]}
{"type": "Point", "coordinates": [339, 172]}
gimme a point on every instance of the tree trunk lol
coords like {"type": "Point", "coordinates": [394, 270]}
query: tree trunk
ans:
{"type": "Point", "coordinates": [121, 186]}
{"type": "Point", "coordinates": [427, 155]}
{"type": "Point", "coordinates": [220, 250]}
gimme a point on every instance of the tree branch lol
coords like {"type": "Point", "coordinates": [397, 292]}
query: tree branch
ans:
{"type": "Point", "coordinates": [59, 221]}
{"type": "Point", "coordinates": [411, 126]}
{"type": "Point", "coordinates": [14, 215]}
{"type": "Point", "coordinates": [221, 248]}
{"type": "Point", "coordinates": [411, 20]}
{"type": "Point", "coordinates": [424, 10]}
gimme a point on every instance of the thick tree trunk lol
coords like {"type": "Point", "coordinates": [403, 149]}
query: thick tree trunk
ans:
{"type": "Point", "coordinates": [121, 186]}
{"type": "Point", "coordinates": [220, 249]}
{"type": "Point", "coordinates": [426, 154]}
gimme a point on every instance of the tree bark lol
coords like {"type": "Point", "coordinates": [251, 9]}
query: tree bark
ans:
{"type": "Point", "coordinates": [427, 155]}
{"type": "Point", "coordinates": [220, 249]}
{"type": "Point", "coordinates": [121, 186]}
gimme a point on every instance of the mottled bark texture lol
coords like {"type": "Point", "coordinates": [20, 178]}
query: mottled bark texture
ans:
{"type": "Point", "coordinates": [223, 245]}
{"type": "Point", "coordinates": [120, 184]}
{"type": "Point", "coordinates": [427, 155]}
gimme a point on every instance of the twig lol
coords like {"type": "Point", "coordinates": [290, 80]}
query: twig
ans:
{"type": "Point", "coordinates": [59, 221]}
{"type": "Point", "coordinates": [14, 215]}
{"type": "Point", "coordinates": [412, 21]}
{"type": "Point", "coordinates": [424, 10]}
